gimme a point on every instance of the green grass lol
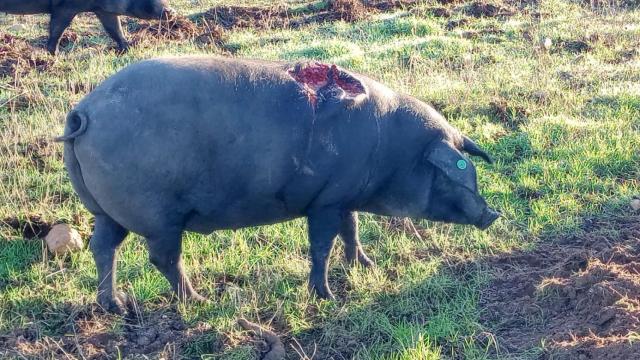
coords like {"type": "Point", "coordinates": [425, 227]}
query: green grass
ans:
{"type": "Point", "coordinates": [566, 144]}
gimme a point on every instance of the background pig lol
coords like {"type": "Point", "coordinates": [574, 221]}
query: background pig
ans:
{"type": "Point", "coordinates": [63, 11]}
{"type": "Point", "coordinates": [225, 143]}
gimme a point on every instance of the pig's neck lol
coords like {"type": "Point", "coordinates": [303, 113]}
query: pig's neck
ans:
{"type": "Point", "coordinates": [404, 135]}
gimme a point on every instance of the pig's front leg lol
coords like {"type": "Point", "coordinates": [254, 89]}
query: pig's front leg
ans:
{"type": "Point", "coordinates": [111, 24]}
{"type": "Point", "coordinates": [60, 21]}
{"type": "Point", "coordinates": [324, 225]}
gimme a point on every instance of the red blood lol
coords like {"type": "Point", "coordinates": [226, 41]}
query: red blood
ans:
{"type": "Point", "coordinates": [314, 75]}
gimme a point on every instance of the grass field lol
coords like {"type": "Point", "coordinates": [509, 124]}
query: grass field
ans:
{"type": "Point", "coordinates": [561, 119]}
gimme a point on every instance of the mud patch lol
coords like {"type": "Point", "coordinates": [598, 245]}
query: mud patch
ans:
{"type": "Point", "coordinates": [25, 100]}
{"type": "Point", "coordinates": [230, 17]}
{"type": "Point", "coordinates": [68, 38]}
{"type": "Point", "coordinates": [575, 46]}
{"type": "Point", "coordinates": [279, 16]}
{"type": "Point", "coordinates": [481, 9]}
{"type": "Point", "coordinates": [507, 114]}
{"type": "Point", "coordinates": [388, 5]}
{"type": "Point", "coordinates": [37, 152]}
{"type": "Point", "coordinates": [579, 295]}
{"type": "Point", "coordinates": [30, 227]}
{"type": "Point", "coordinates": [87, 335]}
{"type": "Point", "coordinates": [179, 28]}
{"type": "Point", "coordinates": [18, 57]}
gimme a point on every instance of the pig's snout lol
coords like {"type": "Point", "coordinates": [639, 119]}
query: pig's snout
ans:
{"type": "Point", "coordinates": [488, 217]}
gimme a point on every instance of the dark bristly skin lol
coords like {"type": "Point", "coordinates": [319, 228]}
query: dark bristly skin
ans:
{"type": "Point", "coordinates": [228, 143]}
{"type": "Point", "coordinates": [63, 11]}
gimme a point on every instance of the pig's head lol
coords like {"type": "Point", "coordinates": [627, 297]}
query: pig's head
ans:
{"type": "Point", "coordinates": [150, 9]}
{"type": "Point", "coordinates": [454, 195]}
{"type": "Point", "coordinates": [439, 184]}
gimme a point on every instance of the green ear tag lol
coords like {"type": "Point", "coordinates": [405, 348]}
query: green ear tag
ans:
{"type": "Point", "coordinates": [461, 164]}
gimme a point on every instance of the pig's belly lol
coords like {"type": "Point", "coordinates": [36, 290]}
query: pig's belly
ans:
{"type": "Point", "coordinates": [240, 214]}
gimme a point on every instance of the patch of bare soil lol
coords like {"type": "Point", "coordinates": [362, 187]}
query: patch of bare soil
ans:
{"type": "Point", "coordinates": [611, 6]}
{"type": "Point", "coordinates": [580, 295]}
{"type": "Point", "coordinates": [279, 16]}
{"type": "Point", "coordinates": [87, 335]}
{"type": "Point", "coordinates": [37, 152]}
{"type": "Point", "coordinates": [18, 57]}
{"type": "Point", "coordinates": [485, 9]}
{"type": "Point", "coordinates": [24, 100]}
{"type": "Point", "coordinates": [510, 115]}
{"type": "Point", "coordinates": [452, 24]}
{"type": "Point", "coordinates": [30, 228]}
{"type": "Point", "coordinates": [179, 28]}
{"type": "Point", "coordinates": [68, 37]}
{"type": "Point", "coordinates": [387, 5]}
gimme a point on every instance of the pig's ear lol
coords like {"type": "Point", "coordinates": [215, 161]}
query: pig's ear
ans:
{"type": "Point", "coordinates": [447, 158]}
{"type": "Point", "coordinates": [473, 149]}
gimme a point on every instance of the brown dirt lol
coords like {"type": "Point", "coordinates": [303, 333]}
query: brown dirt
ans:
{"type": "Point", "coordinates": [439, 11]}
{"type": "Point", "coordinates": [509, 115]}
{"type": "Point", "coordinates": [483, 9]}
{"type": "Point", "coordinates": [575, 46]}
{"type": "Point", "coordinates": [387, 5]}
{"type": "Point", "coordinates": [278, 16]}
{"type": "Point", "coordinates": [25, 100]}
{"type": "Point", "coordinates": [17, 57]}
{"type": "Point", "coordinates": [87, 335]}
{"type": "Point", "coordinates": [31, 227]}
{"type": "Point", "coordinates": [36, 152]}
{"type": "Point", "coordinates": [580, 295]}
{"type": "Point", "coordinates": [68, 37]}
{"type": "Point", "coordinates": [452, 24]}
{"type": "Point", "coordinates": [179, 28]}
{"type": "Point", "coordinates": [230, 17]}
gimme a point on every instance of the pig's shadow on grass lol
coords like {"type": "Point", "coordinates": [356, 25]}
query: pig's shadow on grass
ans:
{"type": "Point", "coordinates": [577, 294]}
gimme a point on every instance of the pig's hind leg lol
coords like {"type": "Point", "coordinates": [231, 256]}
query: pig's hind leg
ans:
{"type": "Point", "coordinates": [59, 22]}
{"type": "Point", "coordinates": [352, 247]}
{"type": "Point", "coordinates": [323, 228]}
{"type": "Point", "coordinates": [165, 254]}
{"type": "Point", "coordinates": [111, 24]}
{"type": "Point", "coordinates": [107, 237]}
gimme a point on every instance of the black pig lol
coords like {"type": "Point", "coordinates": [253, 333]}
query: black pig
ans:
{"type": "Point", "coordinates": [227, 143]}
{"type": "Point", "coordinates": [63, 11]}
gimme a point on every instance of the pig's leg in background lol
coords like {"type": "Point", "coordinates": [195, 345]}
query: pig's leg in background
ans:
{"type": "Point", "coordinates": [165, 253]}
{"type": "Point", "coordinates": [349, 234]}
{"type": "Point", "coordinates": [324, 225]}
{"type": "Point", "coordinates": [107, 237]}
{"type": "Point", "coordinates": [60, 21]}
{"type": "Point", "coordinates": [111, 24]}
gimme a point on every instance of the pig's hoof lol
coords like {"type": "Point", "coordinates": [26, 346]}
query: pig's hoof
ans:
{"type": "Point", "coordinates": [116, 304]}
{"type": "Point", "coordinates": [52, 50]}
{"type": "Point", "coordinates": [195, 297]}
{"type": "Point", "coordinates": [322, 292]}
{"type": "Point", "coordinates": [192, 296]}
{"type": "Point", "coordinates": [122, 49]}
{"type": "Point", "coordinates": [365, 261]}
{"type": "Point", "coordinates": [362, 259]}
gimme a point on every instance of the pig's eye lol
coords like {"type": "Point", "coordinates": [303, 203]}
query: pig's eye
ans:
{"type": "Point", "coordinates": [461, 164]}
